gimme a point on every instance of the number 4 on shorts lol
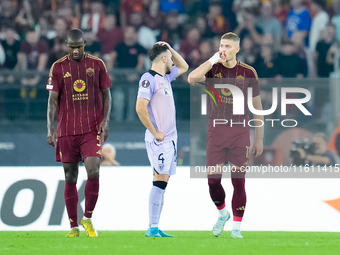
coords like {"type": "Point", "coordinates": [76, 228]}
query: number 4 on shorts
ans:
{"type": "Point", "coordinates": [160, 157]}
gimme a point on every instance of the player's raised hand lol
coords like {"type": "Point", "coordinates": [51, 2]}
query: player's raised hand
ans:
{"type": "Point", "coordinates": [52, 137]}
{"type": "Point", "coordinates": [217, 57]}
{"type": "Point", "coordinates": [104, 128]}
{"type": "Point", "coordinates": [159, 135]}
{"type": "Point", "coordinates": [165, 44]}
{"type": "Point", "coordinates": [258, 148]}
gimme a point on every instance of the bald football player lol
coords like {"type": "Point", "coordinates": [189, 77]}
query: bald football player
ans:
{"type": "Point", "coordinates": [79, 92]}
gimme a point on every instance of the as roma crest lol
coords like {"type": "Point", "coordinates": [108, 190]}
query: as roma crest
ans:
{"type": "Point", "coordinates": [239, 79]}
{"type": "Point", "coordinates": [89, 71]}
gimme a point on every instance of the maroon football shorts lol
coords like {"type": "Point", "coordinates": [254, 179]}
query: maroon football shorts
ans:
{"type": "Point", "coordinates": [74, 148]}
{"type": "Point", "coordinates": [227, 144]}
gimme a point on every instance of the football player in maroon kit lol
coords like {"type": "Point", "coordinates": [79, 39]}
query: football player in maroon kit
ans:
{"type": "Point", "coordinates": [229, 142]}
{"type": "Point", "coordinates": [79, 91]}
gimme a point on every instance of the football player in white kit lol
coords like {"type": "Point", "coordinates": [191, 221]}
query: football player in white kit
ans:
{"type": "Point", "coordinates": [156, 109]}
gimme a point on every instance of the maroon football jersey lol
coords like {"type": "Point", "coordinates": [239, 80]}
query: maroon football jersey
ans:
{"type": "Point", "coordinates": [242, 76]}
{"type": "Point", "coordinates": [80, 99]}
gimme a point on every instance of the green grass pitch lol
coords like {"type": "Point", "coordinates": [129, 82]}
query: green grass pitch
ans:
{"type": "Point", "coordinates": [185, 242]}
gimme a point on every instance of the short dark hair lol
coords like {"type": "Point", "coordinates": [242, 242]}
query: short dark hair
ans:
{"type": "Point", "coordinates": [75, 36]}
{"type": "Point", "coordinates": [156, 50]}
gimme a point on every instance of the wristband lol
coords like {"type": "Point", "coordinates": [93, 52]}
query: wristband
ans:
{"type": "Point", "coordinates": [214, 59]}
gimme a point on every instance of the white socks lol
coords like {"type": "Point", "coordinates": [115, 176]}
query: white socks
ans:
{"type": "Point", "coordinates": [237, 225]}
{"type": "Point", "coordinates": [223, 212]}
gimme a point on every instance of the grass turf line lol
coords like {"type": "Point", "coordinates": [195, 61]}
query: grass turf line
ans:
{"type": "Point", "coordinates": [185, 242]}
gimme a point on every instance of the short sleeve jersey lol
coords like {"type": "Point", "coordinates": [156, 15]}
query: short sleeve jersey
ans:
{"type": "Point", "coordinates": [242, 76]}
{"type": "Point", "coordinates": [79, 84]}
{"type": "Point", "coordinates": [157, 89]}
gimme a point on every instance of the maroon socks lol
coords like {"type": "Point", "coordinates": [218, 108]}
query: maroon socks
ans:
{"type": "Point", "coordinates": [239, 200]}
{"type": "Point", "coordinates": [216, 190]}
{"type": "Point", "coordinates": [71, 199]}
{"type": "Point", "coordinates": [217, 194]}
{"type": "Point", "coordinates": [91, 196]}
{"type": "Point", "coordinates": [71, 202]}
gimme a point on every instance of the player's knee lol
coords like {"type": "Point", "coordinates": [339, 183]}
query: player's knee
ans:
{"type": "Point", "coordinates": [71, 177]}
{"type": "Point", "coordinates": [214, 180]}
{"type": "Point", "coordinates": [94, 174]}
{"type": "Point", "coordinates": [160, 184]}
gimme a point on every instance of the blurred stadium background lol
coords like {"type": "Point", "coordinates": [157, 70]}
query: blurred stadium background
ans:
{"type": "Point", "coordinates": [289, 43]}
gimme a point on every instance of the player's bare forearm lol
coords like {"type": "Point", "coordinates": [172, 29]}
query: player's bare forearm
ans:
{"type": "Point", "coordinates": [179, 62]}
{"type": "Point", "coordinates": [260, 120]}
{"type": "Point", "coordinates": [144, 116]}
{"type": "Point", "coordinates": [198, 75]}
{"type": "Point", "coordinates": [259, 129]}
{"type": "Point", "coordinates": [258, 144]}
{"type": "Point", "coordinates": [107, 103]}
{"type": "Point", "coordinates": [104, 125]}
{"type": "Point", "coordinates": [177, 58]}
{"type": "Point", "coordinates": [52, 108]}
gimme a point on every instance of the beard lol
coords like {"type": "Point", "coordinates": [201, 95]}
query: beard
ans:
{"type": "Point", "coordinates": [168, 69]}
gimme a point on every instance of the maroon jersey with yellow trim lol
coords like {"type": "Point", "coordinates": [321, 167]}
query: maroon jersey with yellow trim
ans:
{"type": "Point", "coordinates": [242, 76]}
{"type": "Point", "coordinates": [79, 85]}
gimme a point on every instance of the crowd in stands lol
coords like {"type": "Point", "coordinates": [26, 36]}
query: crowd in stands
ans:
{"type": "Point", "coordinates": [279, 38]}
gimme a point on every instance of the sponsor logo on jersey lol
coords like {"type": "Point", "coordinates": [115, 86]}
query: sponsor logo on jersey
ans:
{"type": "Point", "coordinates": [226, 92]}
{"type": "Point", "coordinates": [240, 208]}
{"type": "Point", "coordinates": [239, 79]}
{"type": "Point", "coordinates": [144, 90]}
{"type": "Point", "coordinates": [67, 75]}
{"type": "Point", "coordinates": [145, 83]}
{"type": "Point", "coordinates": [80, 96]}
{"type": "Point", "coordinates": [99, 152]}
{"type": "Point", "coordinates": [79, 85]}
{"type": "Point", "coordinates": [219, 75]}
{"type": "Point", "coordinates": [89, 71]}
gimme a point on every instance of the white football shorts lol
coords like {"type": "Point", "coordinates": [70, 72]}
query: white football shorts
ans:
{"type": "Point", "coordinates": [162, 156]}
